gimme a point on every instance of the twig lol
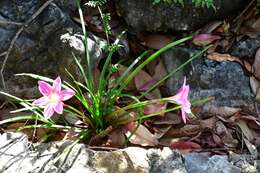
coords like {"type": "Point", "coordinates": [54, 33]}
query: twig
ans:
{"type": "Point", "coordinates": [244, 11]}
{"type": "Point", "coordinates": [102, 148]}
{"type": "Point", "coordinates": [39, 11]}
{"type": "Point", "coordinates": [3, 54]}
{"type": "Point", "coordinates": [10, 22]}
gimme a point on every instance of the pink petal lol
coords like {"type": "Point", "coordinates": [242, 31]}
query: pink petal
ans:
{"type": "Point", "coordinates": [66, 94]}
{"type": "Point", "coordinates": [48, 111]}
{"type": "Point", "coordinates": [183, 115]}
{"type": "Point", "coordinates": [57, 84]}
{"type": "Point", "coordinates": [41, 101]}
{"type": "Point", "coordinates": [44, 88]}
{"type": "Point", "coordinates": [58, 107]}
{"type": "Point", "coordinates": [184, 82]}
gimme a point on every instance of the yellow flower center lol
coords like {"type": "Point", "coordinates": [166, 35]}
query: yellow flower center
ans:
{"type": "Point", "coordinates": [54, 98]}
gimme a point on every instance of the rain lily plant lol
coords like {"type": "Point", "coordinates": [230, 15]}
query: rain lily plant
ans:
{"type": "Point", "coordinates": [96, 105]}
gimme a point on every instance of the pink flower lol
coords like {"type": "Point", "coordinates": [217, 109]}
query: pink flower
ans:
{"type": "Point", "coordinates": [182, 99]}
{"type": "Point", "coordinates": [52, 97]}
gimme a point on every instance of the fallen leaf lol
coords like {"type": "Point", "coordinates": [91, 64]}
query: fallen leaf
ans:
{"type": "Point", "coordinates": [217, 140]}
{"type": "Point", "coordinates": [208, 123]}
{"type": "Point", "coordinates": [33, 134]}
{"type": "Point", "coordinates": [222, 57]}
{"type": "Point", "coordinates": [204, 39]}
{"type": "Point", "coordinates": [245, 129]}
{"type": "Point", "coordinates": [252, 148]}
{"type": "Point", "coordinates": [209, 28]}
{"type": "Point", "coordinates": [96, 74]}
{"type": "Point", "coordinates": [116, 139]}
{"type": "Point", "coordinates": [256, 65]}
{"type": "Point", "coordinates": [142, 136]}
{"type": "Point", "coordinates": [256, 24]}
{"type": "Point", "coordinates": [224, 111]}
{"type": "Point", "coordinates": [160, 131]}
{"type": "Point", "coordinates": [253, 122]}
{"type": "Point", "coordinates": [160, 71]}
{"type": "Point", "coordinates": [255, 86]}
{"type": "Point", "coordinates": [250, 31]}
{"type": "Point", "coordinates": [68, 135]}
{"type": "Point", "coordinates": [143, 82]}
{"type": "Point", "coordinates": [168, 119]}
{"type": "Point", "coordinates": [154, 107]}
{"type": "Point", "coordinates": [121, 70]}
{"type": "Point", "coordinates": [185, 145]}
{"type": "Point", "coordinates": [187, 130]}
{"type": "Point", "coordinates": [226, 135]}
{"type": "Point", "coordinates": [155, 41]}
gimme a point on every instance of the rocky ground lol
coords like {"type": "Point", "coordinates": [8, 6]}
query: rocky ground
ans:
{"type": "Point", "coordinates": [19, 155]}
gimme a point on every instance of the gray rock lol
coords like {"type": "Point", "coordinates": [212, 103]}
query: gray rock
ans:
{"type": "Point", "coordinates": [246, 48]}
{"type": "Point", "coordinates": [172, 59]}
{"type": "Point", "coordinates": [144, 16]}
{"type": "Point", "coordinates": [69, 6]}
{"type": "Point", "coordinates": [226, 81]}
{"type": "Point", "coordinates": [45, 47]}
{"type": "Point", "coordinates": [165, 161]}
{"type": "Point", "coordinates": [247, 163]}
{"type": "Point", "coordinates": [19, 155]}
{"type": "Point", "coordinates": [196, 162]}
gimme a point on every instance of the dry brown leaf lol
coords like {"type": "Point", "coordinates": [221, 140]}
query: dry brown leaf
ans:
{"type": "Point", "coordinates": [255, 85]}
{"type": "Point", "coordinates": [116, 139]}
{"type": "Point", "coordinates": [160, 71]}
{"type": "Point", "coordinates": [225, 134]}
{"type": "Point", "coordinates": [38, 132]}
{"type": "Point", "coordinates": [245, 129]}
{"type": "Point", "coordinates": [154, 107]}
{"type": "Point", "coordinates": [187, 130]}
{"type": "Point", "coordinates": [204, 39]}
{"type": "Point", "coordinates": [209, 28]}
{"type": "Point", "coordinates": [208, 123]}
{"type": "Point", "coordinates": [222, 57]}
{"type": "Point", "coordinates": [96, 74]}
{"type": "Point", "coordinates": [160, 131]}
{"type": "Point", "coordinates": [224, 111]}
{"type": "Point", "coordinates": [250, 31]}
{"type": "Point", "coordinates": [121, 70]}
{"type": "Point", "coordinates": [220, 129]}
{"type": "Point", "coordinates": [68, 135]}
{"type": "Point", "coordinates": [247, 65]}
{"type": "Point", "coordinates": [142, 136]}
{"type": "Point", "coordinates": [252, 148]}
{"type": "Point", "coordinates": [217, 140]}
{"type": "Point", "coordinates": [143, 82]}
{"type": "Point", "coordinates": [185, 145]}
{"type": "Point", "coordinates": [256, 24]}
{"type": "Point", "coordinates": [253, 122]}
{"type": "Point", "coordinates": [168, 119]}
{"type": "Point", "coordinates": [155, 41]}
{"type": "Point", "coordinates": [256, 65]}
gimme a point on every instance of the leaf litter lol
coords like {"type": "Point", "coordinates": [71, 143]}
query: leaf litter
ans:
{"type": "Point", "coordinates": [224, 128]}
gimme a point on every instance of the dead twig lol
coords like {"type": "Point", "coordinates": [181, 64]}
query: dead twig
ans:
{"type": "Point", "coordinates": [10, 23]}
{"type": "Point", "coordinates": [3, 54]}
{"type": "Point", "coordinates": [39, 11]}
